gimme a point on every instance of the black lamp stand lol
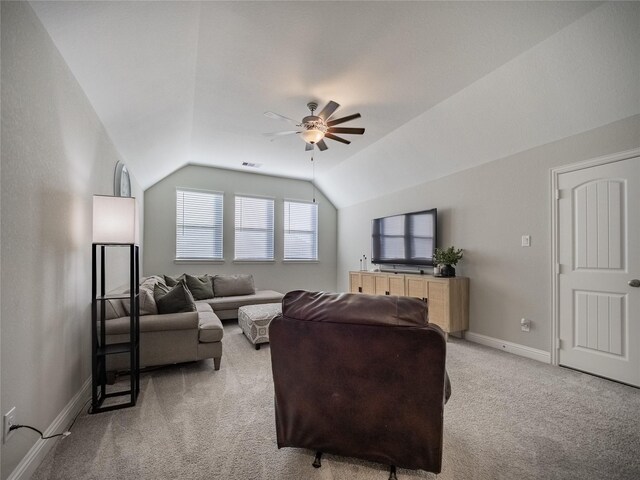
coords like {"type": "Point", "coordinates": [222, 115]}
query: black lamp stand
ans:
{"type": "Point", "coordinates": [99, 348]}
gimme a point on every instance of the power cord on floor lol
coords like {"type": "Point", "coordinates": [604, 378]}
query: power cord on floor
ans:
{"type": "Point", "coordinates": [63, 434]}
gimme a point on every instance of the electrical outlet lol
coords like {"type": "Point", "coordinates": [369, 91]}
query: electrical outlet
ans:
{"type": "Point", "coordinates": [9, 419]}
{"type": "Point", "coordinates": [525, 325]}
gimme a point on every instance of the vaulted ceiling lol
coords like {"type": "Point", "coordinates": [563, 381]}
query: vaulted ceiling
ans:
{"type": "Point", "coordinates": [441, 86]}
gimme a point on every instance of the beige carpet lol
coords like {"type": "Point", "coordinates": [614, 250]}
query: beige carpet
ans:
{"type": "Point", "coordinates": [508, 418]}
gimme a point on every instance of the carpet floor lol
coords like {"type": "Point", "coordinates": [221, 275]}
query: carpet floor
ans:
{"type": "Point", "coordinates": [508, 418]}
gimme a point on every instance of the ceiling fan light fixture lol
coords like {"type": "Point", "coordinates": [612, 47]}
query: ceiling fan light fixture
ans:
{"type": "Point", "coordinates": [315, 128]}
{"type": "Point", "coordinates": [312, 135]}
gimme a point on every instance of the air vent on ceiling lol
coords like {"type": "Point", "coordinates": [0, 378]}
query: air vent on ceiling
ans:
{"type": "Point", "coordinates": [251, 165]}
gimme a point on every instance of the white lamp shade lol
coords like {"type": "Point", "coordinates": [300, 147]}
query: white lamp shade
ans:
{"type": "Point", "coordinates": [114, 219]}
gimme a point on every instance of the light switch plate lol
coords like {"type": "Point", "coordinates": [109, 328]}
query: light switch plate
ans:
{"type": "Point", "coordinates": [526, 240]}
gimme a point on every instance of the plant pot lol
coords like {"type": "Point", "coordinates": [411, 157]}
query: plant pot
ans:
{"type": "Point", "coordinates": [447, 271]}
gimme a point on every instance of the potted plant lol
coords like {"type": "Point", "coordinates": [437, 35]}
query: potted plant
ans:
{"type": "Point", "coordinates": [446, 260]}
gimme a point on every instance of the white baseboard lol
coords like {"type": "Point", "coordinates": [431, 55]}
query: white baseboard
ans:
{"type": "Point", "coordinates": [510, 347]}
{"type": "Point", "coordinates": [36, 454]}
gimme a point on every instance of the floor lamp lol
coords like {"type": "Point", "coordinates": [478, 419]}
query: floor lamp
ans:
{"type": "Point", "coordinates": [114, 225]}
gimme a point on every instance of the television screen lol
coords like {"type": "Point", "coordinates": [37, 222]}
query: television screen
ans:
{"type": "Point", "coordinates": [408, 239]}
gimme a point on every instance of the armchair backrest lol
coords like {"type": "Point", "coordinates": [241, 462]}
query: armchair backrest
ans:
{"type": "Point", "coordinates": [359, 375]}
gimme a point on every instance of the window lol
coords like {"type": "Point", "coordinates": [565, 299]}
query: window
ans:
{"type": "Point", "coordinates": [198, 225]}
{"type": "Point", "coordinates": [254, 228]}
{"type": "Point", "coordinates": [300, 231]}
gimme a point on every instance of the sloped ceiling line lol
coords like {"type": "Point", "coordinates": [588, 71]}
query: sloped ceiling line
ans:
{"type": "Point", "coordinates": [580, 78]}
{"type": "Point", "coordinates": [187, 82]}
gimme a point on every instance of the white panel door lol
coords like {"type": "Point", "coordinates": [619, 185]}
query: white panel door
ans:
{"type": "Point", "coordinates": [599, 255]}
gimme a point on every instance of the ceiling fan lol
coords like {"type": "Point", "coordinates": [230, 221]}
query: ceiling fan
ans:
{"type": "Point", "coordinates": [315, 128]}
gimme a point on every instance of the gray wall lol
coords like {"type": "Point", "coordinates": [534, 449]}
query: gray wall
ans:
{"type": "Point", "coordinates": [485, 211]}
{"type": "Point", "coordinates": [55, 156]}
{"type": "Point", "coordinates": [160, 229]}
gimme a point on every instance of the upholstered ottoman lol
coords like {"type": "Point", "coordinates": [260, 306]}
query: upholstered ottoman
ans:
{"type": "Point", "coordinates": [255, 319]}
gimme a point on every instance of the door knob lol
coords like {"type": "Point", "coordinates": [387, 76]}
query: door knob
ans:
{"type": "Point", "coordinates": [634, 283]}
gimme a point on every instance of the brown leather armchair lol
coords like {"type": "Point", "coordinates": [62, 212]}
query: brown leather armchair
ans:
{"type": "Point", "coordinates": [361, 376]}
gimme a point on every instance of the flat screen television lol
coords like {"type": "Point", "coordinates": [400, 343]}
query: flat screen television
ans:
{"type": "Point", "coordinates": [407, 239]}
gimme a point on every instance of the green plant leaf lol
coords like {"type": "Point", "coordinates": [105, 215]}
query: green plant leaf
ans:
{"type": "Point", "coordinates": [449, 256]}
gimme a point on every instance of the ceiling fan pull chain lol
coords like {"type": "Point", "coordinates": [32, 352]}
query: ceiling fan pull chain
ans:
{"type": "Point", "coordinates": [313, 178]}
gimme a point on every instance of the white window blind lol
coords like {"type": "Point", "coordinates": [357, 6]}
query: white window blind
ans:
{"type": "Point", "coordinates": [198, 225]}
{"type": "Point", "coordinates": [254, 228]}
{"type": "Point", "coordinates": [300, 231]}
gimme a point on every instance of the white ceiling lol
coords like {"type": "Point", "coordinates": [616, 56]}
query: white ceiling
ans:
{"type": "Point", "coordinates": [188, 82]}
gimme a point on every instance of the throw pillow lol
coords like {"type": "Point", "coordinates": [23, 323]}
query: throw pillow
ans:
{"type": "Point", "coordinates": [200, 287]}
{"type": "Point", "coordinates": [114, 309]}
{"type": "Point", "coordinates": [170, 281]}
{"type": "Point", "coordinates": [176, 300]}
{"type": "Point", "coordinates": [160, 290]}
{"type": "Point", "coordinates": [232, 285]}
{"type": "Point", "coordinates": [145, 300]}
{"type": "Point", "coordinates": [147, 303]}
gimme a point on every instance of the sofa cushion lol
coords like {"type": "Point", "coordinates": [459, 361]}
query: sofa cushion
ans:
{"type": "Point", "coordinates": [147, 298]}
{"type": "Point", "coordinates": [200, 287]}
{"type": "Point", "coordinates": [176, 300]}
{"type": "Point", "coordinates": [155, 323]}
{"type": "Point", "coordinates": [114, 309]}
{"type": "Point", "coordinates": [233, 285]}
{"type": "Point", "coordinates": [203, 307]}
{"type": "Point", "coordinates": [146, 301]}
{"type": "Point", "coordinates": [209, 327]}
{"type": "Point", "coordinates": [235, 302]}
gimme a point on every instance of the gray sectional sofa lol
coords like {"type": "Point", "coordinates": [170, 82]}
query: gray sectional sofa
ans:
{"type": "Point", "coordinates": [167, 338]}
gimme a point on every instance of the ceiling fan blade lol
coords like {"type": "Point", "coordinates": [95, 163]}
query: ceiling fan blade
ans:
{"type": "Point", "coordinates": [277, 134]}
{"type": "Point", "coordinates": [337, 139]}
{"type": "Point", "coordinates": [353, 131]}
{"type": "Point", "coordinates": [277, 116]}
{"type": "Point", "coordinates": [321, 145]}
{"type": "Point", "coordinates": [308, 147]}
{"type": "Point", "coordinates": [328, 110]}
{"type": "Point", "coordinates": [343, 119]}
